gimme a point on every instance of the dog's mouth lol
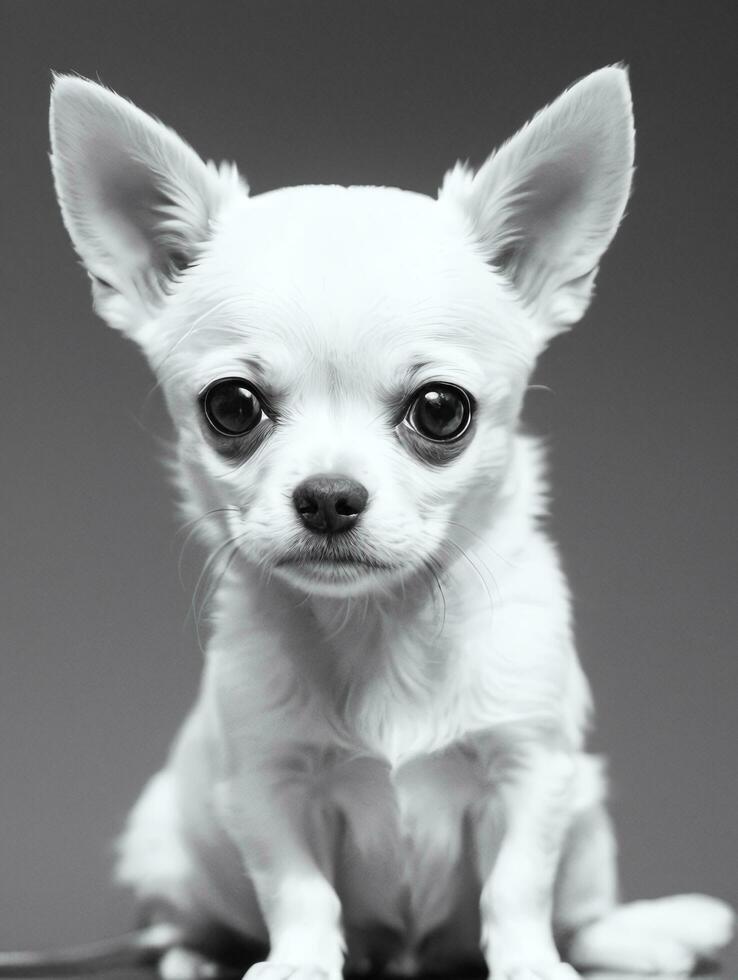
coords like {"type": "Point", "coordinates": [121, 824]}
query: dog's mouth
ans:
{"type": "Point", "coordinates": [332, 563]}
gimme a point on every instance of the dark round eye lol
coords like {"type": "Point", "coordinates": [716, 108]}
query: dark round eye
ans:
{"type": "Point", "coordinates": [231, 407]}
{"type": "Point", "coordinates": [440, 412]}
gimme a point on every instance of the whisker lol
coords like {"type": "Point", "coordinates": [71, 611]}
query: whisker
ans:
{"type": "Point", "coordinates": [161, 380]}
{"type": "Point", "coordinates": [194, 527]}
{"type": "Point", "coordinates": [166, 377]}
{"type": "Point", "coordinates": [216, 584]}
{"type": "Point", "coordinates": [201, 517]}
{"type": "Point", "coordinates": [344, 622]}
{"type": "Point", "coordinates": [479, 575]}
{"type": "Point", "coordinates": [191, 329]}
{"type": "Point", "coordinates": [484, 542]}
{"type": "Point", "coordinates": [207, 568]}
{"type": "Point", "coordinates": [302, 601]}
{"type": "Point", "coordinates": [429, 564]}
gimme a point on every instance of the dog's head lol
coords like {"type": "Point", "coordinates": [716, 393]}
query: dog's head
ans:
{"type": "Point", "coordinates": [345, 366]}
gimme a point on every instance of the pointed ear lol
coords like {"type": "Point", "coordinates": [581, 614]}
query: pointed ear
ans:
{"type": "Point", "coordinates": [547, 204]}
{"type": "Point", "coordinates": [137, 201]}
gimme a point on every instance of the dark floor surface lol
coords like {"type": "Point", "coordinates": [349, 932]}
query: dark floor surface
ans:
{"type": "Point", "coordinates": [727, 971]}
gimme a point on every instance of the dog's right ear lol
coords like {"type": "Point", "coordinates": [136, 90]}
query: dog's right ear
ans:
{"type": "Point", "coordinates": [137, 201]}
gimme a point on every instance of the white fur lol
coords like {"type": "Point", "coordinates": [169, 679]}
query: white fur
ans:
{"type": "Point", "coordinates": [386, 762]}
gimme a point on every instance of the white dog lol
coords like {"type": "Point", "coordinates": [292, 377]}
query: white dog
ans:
{"type": "Point", "coordinates": [385, 763]}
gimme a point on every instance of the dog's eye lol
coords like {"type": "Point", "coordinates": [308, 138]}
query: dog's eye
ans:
{"type": "Point", "coordinates": [440, 412]}
{"type": "Point", "coordinates": [231, 407]}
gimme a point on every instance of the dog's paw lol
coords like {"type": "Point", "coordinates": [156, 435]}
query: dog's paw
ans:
{"type": "Point", "coordinates": [561, 971]}
{"type": "Point", "coordinates": [525, 951]}
{"type": "Point", "coordinates": [552, 971]}
{"type": "Point", "coordinates": [180, 963]}
{"type": "Point", "coordinates": [285, 971]}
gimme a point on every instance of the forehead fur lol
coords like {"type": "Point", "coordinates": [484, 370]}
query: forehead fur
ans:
{"type": "Point", "coordinates": [343, 274]}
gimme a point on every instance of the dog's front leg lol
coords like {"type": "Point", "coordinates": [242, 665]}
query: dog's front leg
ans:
{"type": "Point", "coordinates": [269, 821]}
{"type": "Point", "coordinates": [532, 805]}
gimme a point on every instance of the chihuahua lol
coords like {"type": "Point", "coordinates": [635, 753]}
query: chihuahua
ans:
{"type": "Point", "coordinates": [385, 766]}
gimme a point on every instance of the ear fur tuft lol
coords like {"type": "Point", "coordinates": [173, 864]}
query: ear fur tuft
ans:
{"type": "Point", "coordinates": [137, 201]}
{"type": "Point", "coordinates": [545, 206]}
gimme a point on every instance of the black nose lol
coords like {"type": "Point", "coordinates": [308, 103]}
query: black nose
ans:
{"type": "Point", "coordinates": [328, 504]}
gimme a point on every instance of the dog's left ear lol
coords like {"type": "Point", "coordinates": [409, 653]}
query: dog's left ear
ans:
{"type": "Point", "coordinates": [547, 204]}
{"type": "Point", "coordinates": [137, 201]}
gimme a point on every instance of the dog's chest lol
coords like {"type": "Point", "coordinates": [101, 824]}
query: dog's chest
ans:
{"type": "Point", "coordinates": [401, 691]}
{"type": "Point", "coordinates": [404, 851]}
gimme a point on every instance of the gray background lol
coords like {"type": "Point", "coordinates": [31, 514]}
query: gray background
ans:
{"type": "Point", "coordinates": [99, 661]}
